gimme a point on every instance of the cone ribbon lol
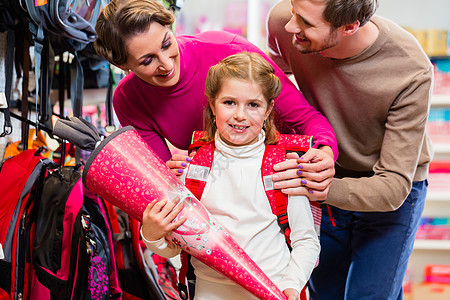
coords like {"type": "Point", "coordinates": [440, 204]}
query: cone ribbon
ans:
{"type": "Point", "coordinates": [125, 171]}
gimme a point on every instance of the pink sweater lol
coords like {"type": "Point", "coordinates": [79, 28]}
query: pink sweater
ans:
{"type": "Point", "coordinates": [173, 113]}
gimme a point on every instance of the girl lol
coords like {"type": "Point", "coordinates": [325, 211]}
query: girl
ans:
{"type": "Point", "coordinates": [240, 91]}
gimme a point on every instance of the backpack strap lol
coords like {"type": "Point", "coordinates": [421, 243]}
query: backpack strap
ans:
{"type": "Point", "coordinates": [200, 165]}
{"type": "Point", "coordinates": [273, 155]}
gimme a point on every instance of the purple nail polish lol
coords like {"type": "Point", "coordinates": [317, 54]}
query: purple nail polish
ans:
{"type": "Point", "coordinates": [180, 171]}
{"type": "Point", "coordinates": [300, 166]}
{"type": "Point", "coordinates": [310, 191]}
{"type": "Point", "coordinates": [188, 159]}
{"type": "Point", "coordinates": [303, 181]}
{"type": "Point", "coordinates": [299, 172]}
{"type": "Point", "coordinates": [183, 164]}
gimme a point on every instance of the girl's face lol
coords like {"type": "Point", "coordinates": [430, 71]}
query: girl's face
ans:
{"type": "Point", "coordinates": [154, 57]}
{"type": "Point", "coordinates": [240, 110]}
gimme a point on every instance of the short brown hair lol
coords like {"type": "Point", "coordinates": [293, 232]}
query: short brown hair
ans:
{"type": "Point", "coordinates": [344, 12]}
{"type": "Point", "coordinates": [122, 19]}
{"type": "Point", "coordinates": [244, 66]}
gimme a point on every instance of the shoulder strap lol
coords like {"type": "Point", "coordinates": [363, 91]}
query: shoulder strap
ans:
{"type": "Point", "coordinates": [279, 201]}
{"type": "Point", "coordinates": [199, 169]}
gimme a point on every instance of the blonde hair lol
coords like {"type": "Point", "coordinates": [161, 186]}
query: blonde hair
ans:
{"type": "Point", "coordinates": [122, 19]}
{"type": "Point", "coordinates": [244, 66]}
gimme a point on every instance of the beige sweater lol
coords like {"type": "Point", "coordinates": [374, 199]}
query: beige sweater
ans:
{"type": "Point", "coordinates": [377, 102]}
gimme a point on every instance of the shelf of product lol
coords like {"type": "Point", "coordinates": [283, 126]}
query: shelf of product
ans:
{"type": "Point", "coordinates": [427, 244]}
{"type": "Point", "coordinates": [440, 100]}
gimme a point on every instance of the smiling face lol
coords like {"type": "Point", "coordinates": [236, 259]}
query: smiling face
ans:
{"type": "Point", "coordinates": [154, 57]}
{"type": "Point", "coordinates": [312, 34]}
{"type": "Point", "coordinates": [240, 110]}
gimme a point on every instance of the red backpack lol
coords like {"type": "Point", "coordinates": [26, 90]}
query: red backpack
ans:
{"type": "Point", "coordinates": [56, 239]}
{"type": "Point", "coordinates": [201, 164]}
{"type": "Point", "coordinates": [20, 177]}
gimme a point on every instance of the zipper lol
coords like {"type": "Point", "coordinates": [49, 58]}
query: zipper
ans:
{"type": "Point", "coordinates": [21, 258]}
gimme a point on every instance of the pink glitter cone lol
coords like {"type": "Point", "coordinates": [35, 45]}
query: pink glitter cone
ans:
{"type": "Point", "coordinates": [125, 171]}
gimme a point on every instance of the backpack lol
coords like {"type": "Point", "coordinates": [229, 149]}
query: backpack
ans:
{"type": "Point", "coordinates": [68, 25]}
{"type": "Point", "coordinates": [200, 167]}
{"type": "Point", "coordinates": [21, 179]}
{"type": "Point", "coordinates": [73, 253]}
{"type": "Point", "coordinates": [55, 236]}
{"type": "Point", "coordinates": [142, 274]}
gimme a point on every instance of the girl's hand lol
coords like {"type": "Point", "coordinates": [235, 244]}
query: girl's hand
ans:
{"type": "Point", "coordinates": [158, 216]}
{"type": "Point", "coordinates": [179, 162]}
{"type": "Point", "coordinates": [291, 294]}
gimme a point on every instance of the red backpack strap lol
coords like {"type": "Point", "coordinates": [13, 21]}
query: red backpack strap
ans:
{"type": "Point", "coordinates": [195, 142]}
{"type": "Point", "coordinates": [199, 168]}
{"type": "Point", "coordinates": [278, 201]}
{"type": "Point", "coordinates": [273, 155]}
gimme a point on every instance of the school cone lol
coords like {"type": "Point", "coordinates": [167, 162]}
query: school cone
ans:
{"type": "Point", "coordinates": [126, 172]}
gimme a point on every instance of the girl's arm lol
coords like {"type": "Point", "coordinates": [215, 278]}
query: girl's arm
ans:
{"type": "Point", "coordinates": [157, 223]}
{"type": "Point", "coordinates": [304, 242]}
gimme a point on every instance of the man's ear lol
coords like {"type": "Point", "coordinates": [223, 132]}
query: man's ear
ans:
{"type": "Point", "coordinates": [350, 29]}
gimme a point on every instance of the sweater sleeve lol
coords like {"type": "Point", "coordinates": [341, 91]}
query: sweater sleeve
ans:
{"type": "Point", "coordinates": [305, 244]}
{"type": "Point", "coordinates": [161, 247]}
{"type": "Point", "coordinates": [129, 114]}
{"type": "Point", "coordinates": [404, 137]}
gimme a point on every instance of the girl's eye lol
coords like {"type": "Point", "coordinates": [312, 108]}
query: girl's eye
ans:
{"type": "Point", "coordinates": [253, 105]}
{"type": "Point", "coordinates": [228, 102]}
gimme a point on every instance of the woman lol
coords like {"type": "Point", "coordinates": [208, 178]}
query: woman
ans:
{"type": "Point", "coordinates": [163, 96]}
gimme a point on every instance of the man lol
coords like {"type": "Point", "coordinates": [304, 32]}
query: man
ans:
{"type": "Point", "coordinates": [372, 81]}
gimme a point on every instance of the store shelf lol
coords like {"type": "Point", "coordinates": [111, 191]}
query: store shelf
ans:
{"type": "Point", "coordinates": [440, 100]}
{"type": "Point", "coordinates": [420, 244]}
{"type": "Point", "coordinates": [438, 196]}
{"type": "Point", "coordinates": [441, 148]}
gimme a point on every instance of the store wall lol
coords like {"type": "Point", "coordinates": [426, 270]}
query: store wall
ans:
{"type": "Point", "coordinates": [417, 14]}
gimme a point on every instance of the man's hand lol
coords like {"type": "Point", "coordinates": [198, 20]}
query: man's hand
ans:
{"type": "Point", "coordinates": [309, 175]}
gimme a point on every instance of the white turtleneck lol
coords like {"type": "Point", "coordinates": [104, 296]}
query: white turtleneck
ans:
{"type": "Point", "coordinates": [235, 196]}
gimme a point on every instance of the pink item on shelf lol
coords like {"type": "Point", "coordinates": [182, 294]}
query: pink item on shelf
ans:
{"type": "Point", "coordinates": [125, 171]}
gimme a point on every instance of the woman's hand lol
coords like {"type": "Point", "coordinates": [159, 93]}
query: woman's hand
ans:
{"type": "Point", "coordinates": [179, 162]}
{"type": "Point", "coordinates": [158, 216]}
{"type": "Point", "coordinates": [309, 175]}
{"type": "Point", "coordinates": [291, 294]}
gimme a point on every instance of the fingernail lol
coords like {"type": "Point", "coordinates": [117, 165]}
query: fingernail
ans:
{"type": "Point", "coordinates": [276, 185]}
{"type": "Point", "coordinates": [300, 166]}
{"type": "Point", "coordinates": [275, 177]}
{"type": "Point", "coordinates": [276, 168]}
{"type": "Point", "coordinates": [310, 191]}
{"type": "Point", "coordinates": [299, 172]}
{"type": "Point", "coordinates": [183, 164]}
{"type": "Point", "coordinates": [180, 171]}
{"type": "Point", "coordinates": [303, 181]}
{"type": "Point", "coordinates": [301, 157]}
{"type": "Point", "coordinates": [188, 159]}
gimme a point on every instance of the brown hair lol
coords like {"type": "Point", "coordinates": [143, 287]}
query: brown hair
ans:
{"type": "Point", "coordinates": [122, 19]}
{"type": "Point", "coordinates": [245, 66]}
{"type": "Point", "coordinates": [344, 12]}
